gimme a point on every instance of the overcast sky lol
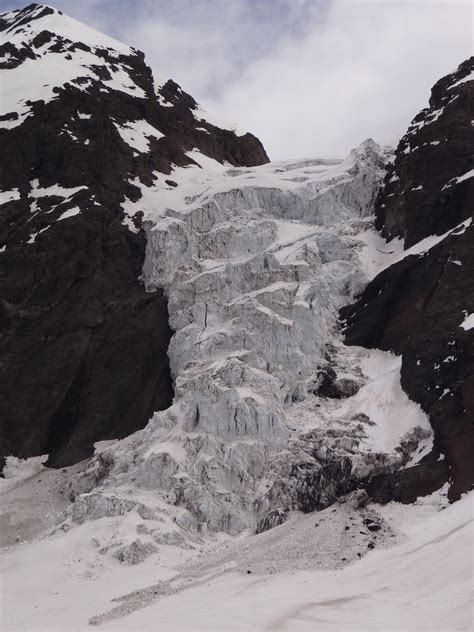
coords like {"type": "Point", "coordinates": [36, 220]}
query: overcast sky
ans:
{"type": "Point", "coordinates": [308, 77]}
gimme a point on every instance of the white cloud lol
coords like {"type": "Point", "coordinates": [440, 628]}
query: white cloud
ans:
{"type": "Point", "coordinates": [206, 45]}
{"type": "Point", "coordinates": [366, 71]}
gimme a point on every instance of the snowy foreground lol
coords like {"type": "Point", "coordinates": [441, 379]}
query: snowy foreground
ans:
{"type": "Point", "coordinates": [423, 582]}
{"type": "Point", "coordinates": [157, 531]}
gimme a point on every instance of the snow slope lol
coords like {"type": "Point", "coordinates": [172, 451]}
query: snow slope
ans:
{"type": "Point", "coordinates": [402, 588]}
{"type": "Point", "coordinates": [423, 581]}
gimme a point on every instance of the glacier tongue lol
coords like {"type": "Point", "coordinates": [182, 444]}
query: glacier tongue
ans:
{"type": "Point", "coordinates": [255, 264]}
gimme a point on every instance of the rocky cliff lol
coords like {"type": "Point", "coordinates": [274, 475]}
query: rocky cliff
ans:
{"type": "Point", "coordinates": [422, 306]}
{"type": "Point", "coordinates": [84, 124]}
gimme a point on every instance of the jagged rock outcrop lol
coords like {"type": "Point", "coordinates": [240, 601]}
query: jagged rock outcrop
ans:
{"type": "Point", "coordinates": [83, 346]}
{"type": "Point", "coordinates": [421, 305]}
{"type": "Point", "coordinates": [429, 188]}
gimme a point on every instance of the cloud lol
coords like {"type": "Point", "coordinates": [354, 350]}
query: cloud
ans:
{"type": "Point", "coordinates": [207, 45]}
{"type": "Point", "coordinates": [365, 71]}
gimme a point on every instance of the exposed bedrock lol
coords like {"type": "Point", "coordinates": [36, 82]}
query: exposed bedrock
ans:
{"type": "Point", "coordinates": [83, 346]}
{"type": "Point", "coordinates": [420, 306]}
{"type": "Point", "coordinates": [426, 191]}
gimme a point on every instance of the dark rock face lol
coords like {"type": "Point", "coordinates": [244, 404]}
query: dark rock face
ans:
{"type": "Point", "coordinates": [83, 347]}
{"type": "Point", "coordinates": [416, 307]}
{"type": "Point", "coordinates": [405, 486]}
{"type": "Point", "coordinates": [335, 388]}
{"type": "Point", "coordinates": [421, 195]}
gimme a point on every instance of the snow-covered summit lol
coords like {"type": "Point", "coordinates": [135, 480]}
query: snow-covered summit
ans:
{"type": "Point", "coordinates": [49, 49]}
{"type": "Point", "coordinates": [23, 25]}
{"type": "Point", "coordinates": [42, 50]}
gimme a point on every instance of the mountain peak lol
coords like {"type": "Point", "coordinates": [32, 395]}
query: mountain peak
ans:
{"type": "Point", "coordinates": [23, 25]}
{"type": "Point", "coordinates": [15, 19]}
{"type": "Point", "coordinates": [48, 50]}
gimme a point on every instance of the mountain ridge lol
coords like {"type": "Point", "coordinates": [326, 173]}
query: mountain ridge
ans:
{"type": "Point", "coordinates": [89, 122]}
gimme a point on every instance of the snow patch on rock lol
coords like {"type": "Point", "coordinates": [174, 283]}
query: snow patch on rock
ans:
{"type": "Point", "coordinates": [468, 322]}
{"type": "Point", "coordinates": [137, 134]}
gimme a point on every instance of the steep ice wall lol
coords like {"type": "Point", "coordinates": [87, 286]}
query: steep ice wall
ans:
{"type": "Point", "coordinates": [255, 264]}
